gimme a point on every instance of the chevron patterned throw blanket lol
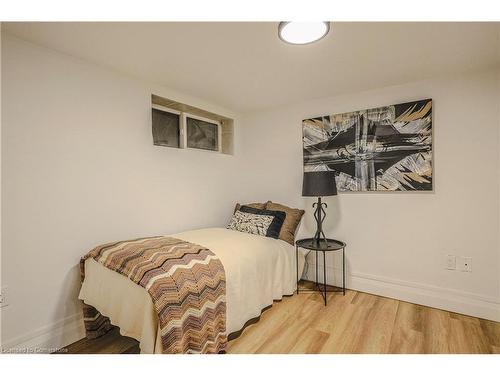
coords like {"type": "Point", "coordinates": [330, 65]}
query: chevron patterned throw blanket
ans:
{"type": "Point", "coordinates": [186, 283]}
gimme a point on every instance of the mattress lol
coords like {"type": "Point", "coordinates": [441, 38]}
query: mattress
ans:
{"type": "Point", "coordinates": [258, 271]}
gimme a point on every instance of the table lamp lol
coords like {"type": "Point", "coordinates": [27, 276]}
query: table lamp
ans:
{"type": "Point", "coordinates": [319, 184]}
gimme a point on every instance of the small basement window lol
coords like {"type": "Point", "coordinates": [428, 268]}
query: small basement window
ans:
{"type": "Point", "coordinates": [203, 134]}
{"type": "Point", "coordinates": [166, 127]}
{"type": "Point", "coordinates": [180, 125]}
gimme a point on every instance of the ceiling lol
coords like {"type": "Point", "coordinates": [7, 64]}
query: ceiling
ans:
{"type": "Point", "coordinates": [245, 67]}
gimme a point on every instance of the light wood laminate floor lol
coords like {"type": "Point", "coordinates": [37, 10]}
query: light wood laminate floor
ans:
{"type": "Point", "coordinates": [354, 323]}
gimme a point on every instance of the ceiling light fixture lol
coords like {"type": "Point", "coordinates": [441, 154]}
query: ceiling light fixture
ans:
{"type": "Point", "coordinates": [302, 32]}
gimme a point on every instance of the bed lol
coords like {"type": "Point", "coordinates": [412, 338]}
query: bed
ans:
{"type": "Point", "coordinates": [259, 270]}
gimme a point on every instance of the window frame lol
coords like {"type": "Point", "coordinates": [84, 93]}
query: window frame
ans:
{"type": "Point", "coordinates": [183, 128]}
{"type": "Point", "coordinates": [174, 112]}
{"type": "Point", "coordinates": [185, 116]}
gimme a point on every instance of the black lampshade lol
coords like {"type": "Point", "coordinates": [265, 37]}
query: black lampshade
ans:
{"type": "Point", "coordinates": [319, 184]}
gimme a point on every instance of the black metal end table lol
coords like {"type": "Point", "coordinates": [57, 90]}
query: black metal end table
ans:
{"type": "Point", "coordinates": [322, 245]}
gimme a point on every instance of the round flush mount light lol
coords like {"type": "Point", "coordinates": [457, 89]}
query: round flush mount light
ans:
{"type": "Point", "coordinates": [302, 32]}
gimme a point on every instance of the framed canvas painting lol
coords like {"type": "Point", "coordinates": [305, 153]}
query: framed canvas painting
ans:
{"type": "Point", "coordinates": [379, 149]}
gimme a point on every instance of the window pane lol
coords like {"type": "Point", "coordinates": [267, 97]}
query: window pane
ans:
{"type": "Point", "coordinates": [165, 128]}
{"type": "Point", "coordinates": [202, 134]}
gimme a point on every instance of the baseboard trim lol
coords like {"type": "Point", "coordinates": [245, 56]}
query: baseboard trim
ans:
{"type": "Point", "coordinates": [49, 338]}
{"type": "Point", "coordinates": [428, 295]}
{"type": "Point", "coordinates": [453, 300]}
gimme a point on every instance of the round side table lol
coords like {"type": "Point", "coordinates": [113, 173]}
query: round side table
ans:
{"type": "Point", "coordinates": [323, 245]}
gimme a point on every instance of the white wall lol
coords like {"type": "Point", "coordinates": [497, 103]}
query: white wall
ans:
{"type": "Point", "coordinates": [79, 169]}
{"type": "Point", "coordinates": [0, 179]}
{"type": "Point", "coordinates": [397, 242]}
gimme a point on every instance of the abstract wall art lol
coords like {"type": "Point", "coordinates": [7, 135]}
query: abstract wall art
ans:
{"type": "Point", "coordinates": [380, 149]}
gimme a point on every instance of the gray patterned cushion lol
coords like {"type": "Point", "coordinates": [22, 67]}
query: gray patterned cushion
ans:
{"type": "Point", "coordinates": [250, 223]}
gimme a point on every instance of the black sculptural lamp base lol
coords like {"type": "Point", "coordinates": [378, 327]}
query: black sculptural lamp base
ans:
{"type": "Point", "coordinates": [319, 184]}
{"type": "Point", "coordinates": [319, 215]}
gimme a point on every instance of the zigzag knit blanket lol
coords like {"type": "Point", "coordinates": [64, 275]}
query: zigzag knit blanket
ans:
{"type": "Point", "coordinates": [186, 283]}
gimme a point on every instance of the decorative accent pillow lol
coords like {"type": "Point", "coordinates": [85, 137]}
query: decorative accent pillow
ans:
{"type": "Point", "coordinates": [278, 219]}
{"type": "Point", "coordinates": [292, 220]}
{"type": "Point", "coordinates": [259, 206]}
{"type": "Point", "coordinates": [250, 223]}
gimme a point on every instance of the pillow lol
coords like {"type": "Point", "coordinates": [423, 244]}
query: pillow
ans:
{"type": "Point", "coordinates": [250, 223]}
{"type": "Point", "coordinates": [292, 220]}
{"type": "Point", "coordinates": [259, 206]}
{"type": "Point", "coordinates": [278, 219]}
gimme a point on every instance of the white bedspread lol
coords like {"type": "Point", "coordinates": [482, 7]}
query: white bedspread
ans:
{"type": "Point", "coordinates": [258, 270]}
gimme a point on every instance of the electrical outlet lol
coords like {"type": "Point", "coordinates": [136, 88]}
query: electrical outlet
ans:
{"type": "Point", "coordinates": [3, 297]}
{"type": "Point", "coordinates": [451, 262]}
{"type": "Point", "coordinates": [465, 264]}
